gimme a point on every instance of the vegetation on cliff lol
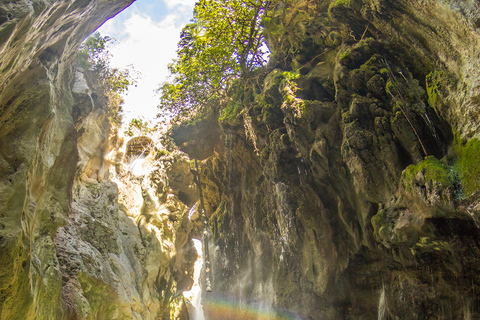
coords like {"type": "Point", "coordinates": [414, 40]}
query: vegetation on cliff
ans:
{"type": "Point", "coordinates": [336, 179]}
{"type": "Point", "coordinates": [223, 43]}
{"type": "Point", "coordinates": [94, 56]}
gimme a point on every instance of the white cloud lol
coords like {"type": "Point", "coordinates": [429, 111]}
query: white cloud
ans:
{"type": "Point", "coordinates": [183, 3]}
{"type": "Point", "coordinates": [149, 46]}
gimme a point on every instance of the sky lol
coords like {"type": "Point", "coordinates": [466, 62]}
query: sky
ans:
{"type": "Point", "coordinates": [146, 36]}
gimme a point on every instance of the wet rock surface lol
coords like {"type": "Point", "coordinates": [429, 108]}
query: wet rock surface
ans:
{"type": "Point", "coordinates": [71, 247]}
{"type": "Point", "coordinates": [38, 145]}
{"type": "Point", "coordinates": [345, 187]}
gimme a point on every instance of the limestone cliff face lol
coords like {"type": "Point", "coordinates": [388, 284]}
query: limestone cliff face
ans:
{"type": "Point", "coordinates": [81, 236]}
{"type": "Point", "coordinates": [126, 250]}
{"type": "Point", "coordinates": [347, 188]}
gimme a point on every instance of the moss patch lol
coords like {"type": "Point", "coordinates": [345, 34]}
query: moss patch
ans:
{"type": "Point", "coordinates": [381, 227]}
{"type": "Point", "coordinates": [432, 82]}
{"type": "Point", "coordinates": [101, 297]}
{"type": "Point", "coordinates": [433, 170]}
{"type": "Point", "coordinates": [345, 54]}
{"type": "Point", "coordinates": [339, 3]}
{"type": "Point", "coordinates": [216, 220]}
{"type": "Point", "coordinates": [427, 245]}
{"type": "Point", "coordinates": [468, 165]}
{"type": "Point", "coordinates": [230, 113]}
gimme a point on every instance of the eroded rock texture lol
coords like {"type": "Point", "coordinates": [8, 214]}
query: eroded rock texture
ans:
{"type": "Point", "coordinates": [347, 188]}
{"type": "Point", "coordinates": [81, 235]}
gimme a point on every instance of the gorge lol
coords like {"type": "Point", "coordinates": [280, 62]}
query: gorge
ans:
{"type": "Point", "coordinates": [341, 181]}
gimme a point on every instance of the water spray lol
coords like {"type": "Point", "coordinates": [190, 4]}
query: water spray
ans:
{"type": "Point", "coordinates": [208, 282]}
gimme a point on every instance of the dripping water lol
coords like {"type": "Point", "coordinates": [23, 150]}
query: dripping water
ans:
{"type": "Point", "coordinates": [382, 305]}
{"type": "Point", "coordinates": [229, 141]}
{"type": "Point", "coordinates": [192, 211]}
{"type": "Point", "coordinates": [431, 126]}
{"type": "Point", "coordinates": [283, 209]}
{"type": "Point", "coordinates": [467, 311]}
{"type": "Point", "coordinates": [250, 133]}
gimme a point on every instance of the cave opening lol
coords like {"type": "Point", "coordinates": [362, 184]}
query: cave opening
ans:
{"type": "Point", "coordinates": [137, 149]}
{"type": "Point", "coordinates": [319, 204]}
{"type": "Point", "coordinates": [146, 36]}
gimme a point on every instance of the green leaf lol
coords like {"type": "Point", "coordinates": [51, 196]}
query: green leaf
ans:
{"type": "Point", "coordinates": [222, 44]}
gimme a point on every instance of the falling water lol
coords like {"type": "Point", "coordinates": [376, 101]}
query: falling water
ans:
{"type": "Point", "coordinates": [382, 305]}
{"type": "Point", "coordinates": [467, 311]}
{"type": "Point", "coordinates": [191, 212]}
{"type": "Point", "coordinates": [250, 133]}
{"type": "Point", "coordinates": [283, 212]}
{"type": "Point", "coordinates": [195, 294]}
{"type": "Point", "coordinates": [136, 166]}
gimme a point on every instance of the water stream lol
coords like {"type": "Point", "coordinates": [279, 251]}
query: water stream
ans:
{"type": "Point", "coordinates": [195, 294]}
{"type": "Point", "coordinates": [382, 305]}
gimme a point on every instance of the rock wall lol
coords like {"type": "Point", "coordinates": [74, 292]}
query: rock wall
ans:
{"type": "Point", "coordinates": [126, 251]}
{"type": "Point", "coordinates": [347, 187]}
{"type": "Point", "coordinates": [81, 236]}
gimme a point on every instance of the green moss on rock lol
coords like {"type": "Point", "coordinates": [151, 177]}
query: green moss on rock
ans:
{"type": "Point", "coordinates": [230, 113]}
{"type": "Point", "coordinates": [432, 82]}
{"type": "Point", "coordinates": [345, 54]}
{"type": "Point", "coordinates": [381, 226]}
{"type": "Point", "coordinates": [427, 245]}
{"type": "Point", "coordinates": [338, 3]}
{"type": "Point", "coordinates": [102, 299]}
{"type": "Point", "coordinates": [468, 165]}
{"type": "Point", "coordinates": [433, 170]}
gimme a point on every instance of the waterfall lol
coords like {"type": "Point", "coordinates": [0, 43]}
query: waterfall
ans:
{"type": "Point", "coordinates": [136, 166]}
{"type": "Point", "coordinates": [467, 311]}
{"type": "Point", "coordinates": [191, 213]}
{"type": "Point", "coordinates": [382, 305]}
{"type": "Point", "coordinates": [283, 213]}
{"type": "Point", "coordinates": [250, 133]}
{"type": "Point", "coordinates": [195, 294]}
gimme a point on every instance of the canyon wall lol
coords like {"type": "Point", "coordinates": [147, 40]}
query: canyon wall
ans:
{"type": "Point", "coordinates": [82, 234]}
{"type": "Point", "coordinates": [345, 186]}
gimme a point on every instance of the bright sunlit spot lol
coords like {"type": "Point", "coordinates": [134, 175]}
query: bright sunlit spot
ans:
{"type": "Point", "coordinates": [147, 34]}
{"type": "Point", "coordinates": [136, 166]}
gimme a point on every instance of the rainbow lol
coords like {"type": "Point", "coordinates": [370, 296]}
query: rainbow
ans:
{"type": "Point", "coordinates": [225, 309]}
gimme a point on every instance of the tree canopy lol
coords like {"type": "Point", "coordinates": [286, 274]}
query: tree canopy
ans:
{"type": "Point", "coordinates": [224, 42]}
{"type": "Point", "coordinates": [94, 56]}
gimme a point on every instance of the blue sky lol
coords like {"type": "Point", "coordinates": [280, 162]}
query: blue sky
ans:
{"type": "Point", "coordinates": [147, 34]}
